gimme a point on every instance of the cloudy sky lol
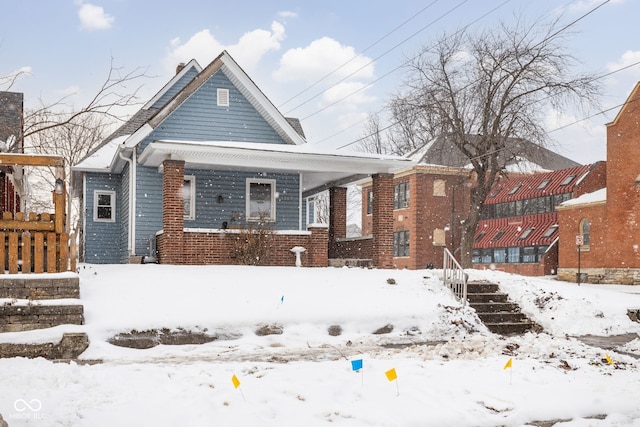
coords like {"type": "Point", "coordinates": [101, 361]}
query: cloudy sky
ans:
{"type": "Point", "coordinates": [329, 63]}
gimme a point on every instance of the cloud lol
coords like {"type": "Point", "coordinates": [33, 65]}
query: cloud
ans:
{"type": "Point", "coordinates": [353, 92]}
{"type": "Point", "coordinates": [627, 58]}
{"type": "Point", "coordinates": [93, 17]}
{"type": "Point", "coordinates": [287, 14]}
{"type": "Point", "coordinates": [586, 5]}
{"type": "Point", "coordinates": [204, 47]}
{"type": "Point", "coordinates": [321, 57]}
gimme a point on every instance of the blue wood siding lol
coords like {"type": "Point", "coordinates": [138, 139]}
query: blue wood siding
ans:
{"type": "Point", "coordinates": [123, 212]}
{"type": "Point", "coordinates": [102, 239]}
{"type": "Point", "coordinates": [232, 187]}
{"type": "Point", "coordinates": [199, 118]}
{"type": "Point", "coordinates": [177, 87]}
{"type": "Point", "coordinates": [148, 207]}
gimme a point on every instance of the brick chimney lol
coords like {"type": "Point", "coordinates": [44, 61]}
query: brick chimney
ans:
{"type": "Point", "coordinates": [180, 67]}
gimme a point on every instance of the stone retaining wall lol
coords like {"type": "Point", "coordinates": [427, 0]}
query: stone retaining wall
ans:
{"type": "Point", "coordinates": [40, 288]}
{"type": "Point", "coordinates": [624, 276]}
{"type": "Point", "coordinates": [69, 347]}
{"type": "Point", "coordinates": [17, 318]}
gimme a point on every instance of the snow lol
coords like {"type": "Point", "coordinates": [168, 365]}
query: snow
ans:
{"type": "Point", "coordinates": [103, 157]}
{"type": "Point", "coordinates": [449, 367]}
{"type": "Point", "coordinates": [594, 197]}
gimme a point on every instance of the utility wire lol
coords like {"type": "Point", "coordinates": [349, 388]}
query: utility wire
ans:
{"type": "Point", "coordinates": [415, 15]}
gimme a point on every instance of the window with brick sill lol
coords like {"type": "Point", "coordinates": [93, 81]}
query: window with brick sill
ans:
{"type": "Point", "coordinates": [401, 244]}
{"type": "Point", "coordinates": [401, 196]}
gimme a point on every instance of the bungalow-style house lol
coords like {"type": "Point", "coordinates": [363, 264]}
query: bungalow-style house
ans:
{"type": "Point", "coordinates": [518, 231]}
{"type": "Point", "coordinates": [207, 160]}
{"type": "Point", "coordinates": [600, 231]}
{"type": "Point", "coordinates": [432, 198]}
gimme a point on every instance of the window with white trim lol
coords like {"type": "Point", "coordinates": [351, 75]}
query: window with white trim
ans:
{"type": "Point", "coordinates": [104, 206]}
{"type": "Point", "coordinates": [261, 199]}
{"type": "Point", "coordinates": [222, 97]}
{"type": "Point", "coordinates": [188, 197]}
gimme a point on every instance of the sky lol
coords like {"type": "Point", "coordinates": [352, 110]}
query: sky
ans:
{"type": "Point", "coordinates": [330, 63]}
{"type": "Point", "coordinates": [449, 369]}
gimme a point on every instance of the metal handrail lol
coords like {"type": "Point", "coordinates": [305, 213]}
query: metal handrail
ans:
{"type": "Point", "coordinates": [454, 276]}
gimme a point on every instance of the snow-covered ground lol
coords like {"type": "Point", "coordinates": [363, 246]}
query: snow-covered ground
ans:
{"type": "Point", "coordinates": [450, 369]}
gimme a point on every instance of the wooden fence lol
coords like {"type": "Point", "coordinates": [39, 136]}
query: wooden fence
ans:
{"type": "Point", "coordinates": [30, 244]}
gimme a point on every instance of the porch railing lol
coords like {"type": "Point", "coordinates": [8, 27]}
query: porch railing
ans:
{"type": "Point", "coordinates": [454, 276]}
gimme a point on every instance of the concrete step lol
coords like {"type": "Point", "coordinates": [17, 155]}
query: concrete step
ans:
{"type": "Point", "coordinates": [502, 317]}
{"type": "Point", "coordinates": [506, 328]}
{"type": "Point", "coordinates": [488, 307]}
{"type": "Point", "coordinates": [482, 287]}
{"type": "Point", "coordinates": [486, 297]}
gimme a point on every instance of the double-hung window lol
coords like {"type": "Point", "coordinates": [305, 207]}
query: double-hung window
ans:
{"type": "Point", "coordinates": [401, 244]}
{"type": "Point", "coordinates": [104, 206]}
{"type": "Point", "coordinates": [261, 203]}
{"type": "Point", "coordinates": [401, 196]}
{"type": "Point", "coordinates": [188, 197]}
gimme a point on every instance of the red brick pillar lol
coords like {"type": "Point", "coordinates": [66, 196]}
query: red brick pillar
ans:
{"type": "Point", "coordinates": [382, 221]}
{"type": "Point", "coordinates": [318, 252]}
{"type": "Point", "coordinates": [172, 250]}
{"type": "Point", "coordinates": [337, 217]}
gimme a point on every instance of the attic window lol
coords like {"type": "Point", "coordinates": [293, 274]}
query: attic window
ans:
{"type": "Point", "coordinates": [495, 192]}
{"type": "Point", "coordinates": [498, 235]}
{"type": "Point", "coordinates": [479, 236]}
{"type": "Point", "coordinates": [568, 180]}
{"type": "Point", "coordinates": [515, 189]}
{"type": "Point", "coordinates": [550, 231]}
{"type": "Point", "coordinates": [544, 184]}
{"type": "Point", "coordinates": [223, 97]}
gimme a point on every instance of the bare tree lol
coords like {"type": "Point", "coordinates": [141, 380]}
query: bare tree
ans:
{"type": "Point", "coordinates": [373, 140]}
{"type": "Point", "coordinates": [487, 91]}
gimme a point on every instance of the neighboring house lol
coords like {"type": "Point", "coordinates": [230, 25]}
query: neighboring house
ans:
{"type": "Point", "coordinates": [208, 157]}
{"type": "Point", "coordinates": [518, 232]}
{"type": "Point", "coordinates": [607, 222]}
{"type": "Point", "coordinates": [11, 129]}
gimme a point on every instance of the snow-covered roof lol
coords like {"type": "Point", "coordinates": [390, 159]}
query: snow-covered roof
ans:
{"type": "Point", "coordinates": [103, 158]}
{"type": "Point", "coordinates": [598, 196]}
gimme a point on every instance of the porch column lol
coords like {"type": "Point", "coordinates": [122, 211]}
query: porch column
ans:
{"type": "Point", "coordinates": [172, 248]}
{"type": "Point", "coordinates": [337, 216]}
{"type": "Point", "coordinates": [382, 220]}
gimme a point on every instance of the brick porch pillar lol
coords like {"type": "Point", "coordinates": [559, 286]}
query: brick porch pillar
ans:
{"type": "Point", "coordinates": [172, 250]}
{"type": "Point", "coordinates": [382, 221]}
{"type": "Point", "coordinates": [337, 216]}
{"type": "Point", "coordinates": [319, 243]}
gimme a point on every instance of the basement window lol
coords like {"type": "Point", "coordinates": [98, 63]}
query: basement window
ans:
{"type": "Point", "coordinates": [223, 97]}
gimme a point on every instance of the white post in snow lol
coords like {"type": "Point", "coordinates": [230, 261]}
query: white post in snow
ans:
{"type": "Point", "coordinates": [298, 250]}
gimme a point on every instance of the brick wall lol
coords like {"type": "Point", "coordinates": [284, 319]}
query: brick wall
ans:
{"type": "Point", "coordinates": [217, 247]}
{"type": "Point", "coordinates": [337, 216]}
{"type": "Point", "coordinates": [352, 248]}
{"type": "Point", "coordinates": [171, 244]}
{"type": "Point", "coordinates": [382, 221]}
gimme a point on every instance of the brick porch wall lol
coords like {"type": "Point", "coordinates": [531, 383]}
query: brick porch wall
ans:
{"type": "Point", "coordinates": [337, 216]}
{"type": "Point", "coordinates": [382, 221]}
{"type": "Point", "coordinates": [171, 246]}
{"type": "Point", "coordinates": [352, 248]}
{"type": "Point", "coordinates": [216, 247]}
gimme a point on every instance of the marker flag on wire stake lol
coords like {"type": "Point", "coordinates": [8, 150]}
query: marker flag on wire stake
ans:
{"type": "Point", "coordinates": [609, 359]}
{"type": "Point", "coordinates": [391, 374]}
{"type": "Point", "coordinates": [356, 365]}
{"type": "Point", "coordinates": [509, 364]}
{"type": "Point", "coordinates": [235, 381]}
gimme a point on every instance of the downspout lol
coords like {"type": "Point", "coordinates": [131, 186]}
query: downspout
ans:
{"type": "Point", "coordinates": [132, 198]}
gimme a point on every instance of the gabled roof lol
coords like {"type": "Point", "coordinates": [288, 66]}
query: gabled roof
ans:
{"type": "Point", "coordinates": [632, 100]}
{"type": "Point", "coordinates": [520, 187]}
{"type": "Point", "coordinates": [441, 151]}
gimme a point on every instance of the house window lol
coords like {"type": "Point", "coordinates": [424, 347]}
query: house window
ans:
{"type": "Point", "coordinates": [369, 202]}
{"type": "Point", "coordinates": [529, 254]}
{"type": "Point", "coordinates": [498, 235]}
{"type": "Point", "coordinates": [526, 233]}
{"type": "Point", "coordinates": [486, 255]}
{"type": "Point", "coordinates": [568, 180]}
{"type": "Point", "coordinates": [544, 184]}
{"type": "Point", "coordinates": [494, 192]}
{"type": "Point", "coordinates": [188, 197]}
{"type": "Point", "coordinates": [223, 97]}
{"type": "Point", "coordinates": [550, 231]}
{"type": "Point", "coordinates": [513, 254]}
{"type": "Point", "coordinates": [585, 231]}
{"type": "Point", "coordinates": [500, 255]}
{"type": "Point", "coordinates": [515, 189]}
{"type": "Point", "coordinates": [439, 238]}
{"type": "Point", "coordinates": [401, 196]}
{"type": "Point", "coordinates": [480, 236]}
{"type": "Point", "coordinates": [401, 244]}
{"type": "Point", "coordinates": [439, 188]}
{"type": "Point", "coordinates": [261, 204]}
{"type": "Point", "coordinates": [311, 210]}
{"type": "Point", "coordinates": [104, 206]}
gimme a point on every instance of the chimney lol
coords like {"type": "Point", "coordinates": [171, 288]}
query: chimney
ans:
{"type": "Point", "coordinates": [179, 67]}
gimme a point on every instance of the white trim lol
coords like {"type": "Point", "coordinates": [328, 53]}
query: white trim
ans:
{"type": "Point", "coordinates": [192, 197]}
{"type": "Point", "coordinates": [112, 205]}
{"type": "Point", "coordinates": [238, 231]}
{"type": "Point", "coordinates": [191, 64]}
{"type": "Point", "coordinates": [272, 183]}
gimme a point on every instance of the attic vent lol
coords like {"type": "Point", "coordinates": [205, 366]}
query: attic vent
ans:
{"type": "Point", "coordinates": [223, 97]}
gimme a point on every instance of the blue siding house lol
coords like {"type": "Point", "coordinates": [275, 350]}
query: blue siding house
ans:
{"type": "Point", "coordinates": [208, 157]}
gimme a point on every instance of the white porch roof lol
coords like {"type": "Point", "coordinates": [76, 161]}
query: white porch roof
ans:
{"type": "Point", "coordinates": [319, 169]}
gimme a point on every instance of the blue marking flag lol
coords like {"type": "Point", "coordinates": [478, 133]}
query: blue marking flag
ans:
{"type": "Point", "coordinates": [282, 299]}
{"type": "Point", "coordinates": [356, 365]}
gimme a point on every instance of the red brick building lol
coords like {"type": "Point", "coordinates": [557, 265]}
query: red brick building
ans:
{"type": "Point", "coordinates": [607, 222]}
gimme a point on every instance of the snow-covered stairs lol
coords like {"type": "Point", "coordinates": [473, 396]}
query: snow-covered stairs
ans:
{"type": "Point", "coordinates": [495, 310]}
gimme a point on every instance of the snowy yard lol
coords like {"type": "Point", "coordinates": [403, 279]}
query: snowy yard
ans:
{"type": "Point", "coordinates": [450, 369]}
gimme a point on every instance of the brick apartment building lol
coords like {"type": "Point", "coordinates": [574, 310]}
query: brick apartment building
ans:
{"type": "Point", "coordinates": [607, 221]}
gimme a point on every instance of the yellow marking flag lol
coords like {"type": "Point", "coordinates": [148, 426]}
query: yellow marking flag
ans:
{"type": "Point", "coordinates": [391, 374]}
{"type": "Point", "coordinates": [509, 363]}
{"type": "Point", "coordinates": [609, 359]}
{"type": "Point", "coordinates": [235, 381]}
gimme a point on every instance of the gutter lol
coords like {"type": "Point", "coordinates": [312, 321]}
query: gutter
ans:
{"type": "Point", "coordinates": [131, 247]}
